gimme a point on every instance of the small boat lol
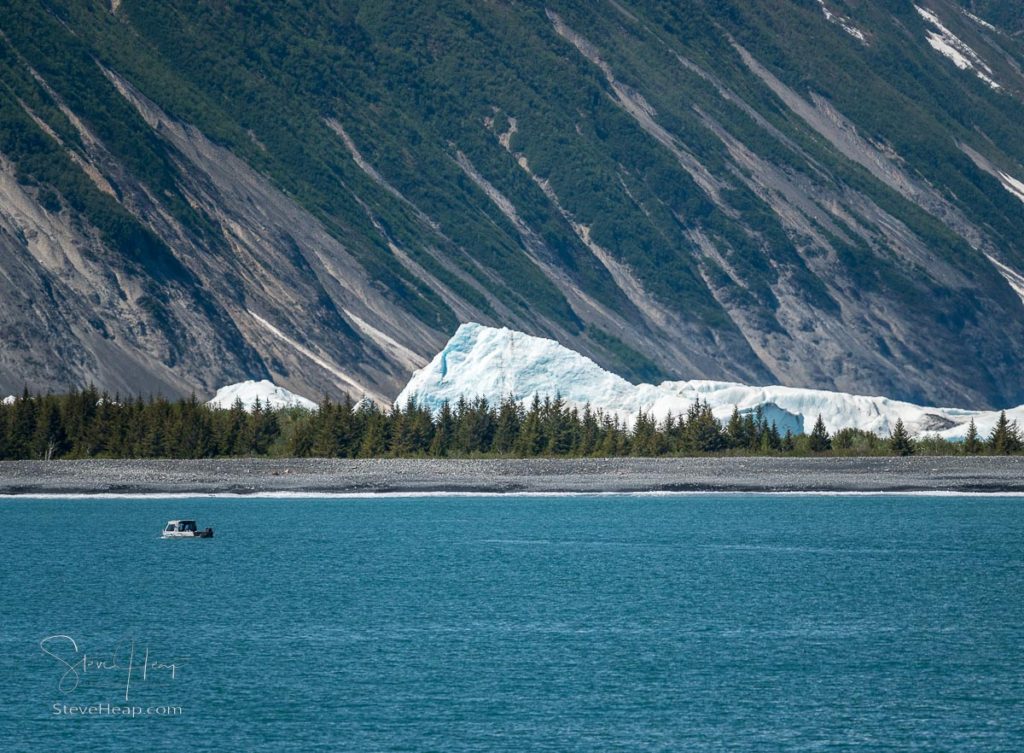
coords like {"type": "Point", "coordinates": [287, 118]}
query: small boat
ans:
{"type": "Point", "coordinates": [185, 529]}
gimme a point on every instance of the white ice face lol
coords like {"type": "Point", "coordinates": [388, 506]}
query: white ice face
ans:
{"type": "Point", "coordinates": [268, 393]}
{"type": "Point", "coordinates": [494, 363]}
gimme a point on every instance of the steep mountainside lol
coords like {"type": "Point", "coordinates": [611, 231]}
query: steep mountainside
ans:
{"type": "Point", "coordinates": [818, 193]}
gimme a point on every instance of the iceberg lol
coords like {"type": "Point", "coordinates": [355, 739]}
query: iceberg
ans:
{"type": "Point", "coordinates": [495, 363]}
{"type": "Point", "coordinates": [268, 393]}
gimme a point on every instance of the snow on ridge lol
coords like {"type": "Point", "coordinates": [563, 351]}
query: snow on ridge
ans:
{"type": "Point", "coordinates": [9, 400]}
{"type": "Point", "coordinates": [1013, 278]}
{"type": "Point", "coordinates": [1012, 185]}
{"type": "Point", "coordinates": [844, 23]}
{"type": "Point", "coordinates": [979, 21]}
{"type": "Point", "coordinates": [495, 363]}
{"type": "Point", "coordinates": [268, 393]}
{"type": "Point", "coordinates": [946, 43]}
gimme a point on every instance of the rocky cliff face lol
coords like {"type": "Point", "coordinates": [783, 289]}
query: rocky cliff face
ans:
{"type": "Point", "coordinates": [814, 193]}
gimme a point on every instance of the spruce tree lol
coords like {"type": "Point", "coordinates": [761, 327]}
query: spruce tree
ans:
{"type": "Point", "coordinates": [531, 437]}
{"type": "Point", "coordinates": [703, 431]}
{"type": "Point", "coordinates": [972, 442]}
{"type": "Point", "coordinates": [613, 440]}
{"type": "Point", "coordinates": [819, 439]}
{"type": "Point", "coordinates": [402, 442]}
{"type": "Point", "coordinates": [506, 430]}
{"type": "Point", "coordinates": [4, 431]}
{"type": "Point", "coordinates": [1005, 437]}
{"type": "Point", "coordinates": [232, 426]}
{"type": "Point", "coordinates": [771, 441]}
{"type": "Point", "coordinates": [644, 442]}
{"type": "Point", "coordinates": [900, 442]}
{"type": "Point", "coordinates": [558, 428]}
{"type": "Point", "coordinates": [590, 430]}
{"type": "Point", "coordinates": [50, 439]}
{"type": "Point", "coordinates": [444, 431]}
{"type": "Point", "coordinates": [23, 427]}
{"type": "Point", "coordinates": [420, 430]}
{"type": "Point", "coordinates": [374, 439]}
{"type": "Point", "coordinates": [735, 433]}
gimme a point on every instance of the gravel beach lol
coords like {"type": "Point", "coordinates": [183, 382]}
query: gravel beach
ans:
{"type": "Point", "coordinates": [249, 476]}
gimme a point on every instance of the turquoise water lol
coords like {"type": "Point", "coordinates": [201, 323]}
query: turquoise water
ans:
{"type": "Point", "coordinates": [720, 622]}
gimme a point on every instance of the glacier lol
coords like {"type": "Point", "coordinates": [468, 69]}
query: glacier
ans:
{"type": "Point", "coordinates": [268, 393]}
{"type": "Point", "coordinates": [494, 363]}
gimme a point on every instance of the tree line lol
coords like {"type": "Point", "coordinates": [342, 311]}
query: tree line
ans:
{"type": "Point", "coordinates": [90, 424]}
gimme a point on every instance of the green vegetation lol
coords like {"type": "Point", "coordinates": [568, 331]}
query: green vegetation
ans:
{"type": "Point", "coordinates": [900, 442]}
{"type": "Point", "coordinates": [88, 424]}
{"type": "Point", "coordinates": [415, 86]}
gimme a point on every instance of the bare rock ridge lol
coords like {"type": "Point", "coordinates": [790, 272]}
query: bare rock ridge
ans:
{"type": "Point", "coordinates": [815, 194]}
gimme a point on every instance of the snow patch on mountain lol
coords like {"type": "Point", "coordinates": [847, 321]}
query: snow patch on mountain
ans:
{"type": "Point", "coordinates": [1013, 278]}
{"type": "Point", "coordinates": [494, 364]}
{"type": "Point", "coordinates": [268, 393]}
{"type": "Point", "coordinates": [844, 23]}
{"type": "Point", "coordinates": [946, 43]}
{"type": "Point", "coordinates": [1012, 185]}
{"type": "Point", "coordinates": [980, 21]}
{"type": "Point", "coordinates": [9, 400]}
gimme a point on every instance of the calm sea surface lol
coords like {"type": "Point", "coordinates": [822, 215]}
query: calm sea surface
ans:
{"type": "Point", "coordinates": [689, 623]}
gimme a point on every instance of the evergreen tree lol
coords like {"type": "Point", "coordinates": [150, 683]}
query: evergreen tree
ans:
{"type": "Point", "coordinates": [644, 441]}
{"type": "Point", "coordinates": [4, 431]}
{"type": "Point", "coordinates": [50, 439]}
{"type": "Point", "coordinates": [900, 442]}
{"type": "Point", "coordinates": [475, 422]}
{"type": "Point", "coordinates": [375, 436]}
{"type": "Point", "coordinates": [771, 441]}
{"type": "Point", "coordinates": [755, 426]}
{"type": "Point", "coordinates": [735, 430]}
{"type": "Point", "coordinates": [154, 440]}
{"type": "Point", "coordinates": [1005, 438]}
{"type": "Point", "coordinates": [262, 429]}
{"type": "Point", "coordinates": [232, 428]}
{"type": "Point", "coordinates": [444, 431]}
{"type": "Point", "coordinates": [134, 427]}
{"type": "Point", "coordinates": [23, 428]}
{"type": "Point", "coordinates": [558, 428]}
{"type": "Point", "coordinates": [419, 429]}
{"type": "Point", "coordinates": [972, 442]}
{"type": "Point", "coordinates": [348, 425]}
{"type": "Point", "coordinates": [613, 438]}
{"type": "Point", "coordinates": [402, 440]}
{"type": "Point", "coordinates": [531, 437]}
{"type": "Point", "coordinates": [590, 432]}
{"type": "Point", "coordinates": [703, 431]}
{"type": "Point", "coordinates": [506, 430]}
{"type": "Point", "coordinates": [820, 441]}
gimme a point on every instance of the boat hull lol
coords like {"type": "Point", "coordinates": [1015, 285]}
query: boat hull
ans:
{"type": "Point", "coordinates": [207, 534]}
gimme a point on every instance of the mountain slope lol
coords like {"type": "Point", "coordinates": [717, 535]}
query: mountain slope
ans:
{"type": "Point", "coordinates": [814, 193]}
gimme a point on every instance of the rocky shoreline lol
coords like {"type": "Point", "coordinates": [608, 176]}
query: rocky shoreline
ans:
{"type": "Point", "coordinates": [751, 474]}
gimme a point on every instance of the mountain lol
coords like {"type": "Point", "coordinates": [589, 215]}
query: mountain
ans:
{"type": "Point", "coordinates": [815, 193]}
{"type": "Point", "coordinates": [491, 363]}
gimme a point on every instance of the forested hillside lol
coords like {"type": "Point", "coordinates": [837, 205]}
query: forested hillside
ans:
{"type": "Point", "coordinates": [819, 193]}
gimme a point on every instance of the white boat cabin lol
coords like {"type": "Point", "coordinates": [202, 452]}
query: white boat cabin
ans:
{"type": "Point", "coordinates": [185, 529]}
